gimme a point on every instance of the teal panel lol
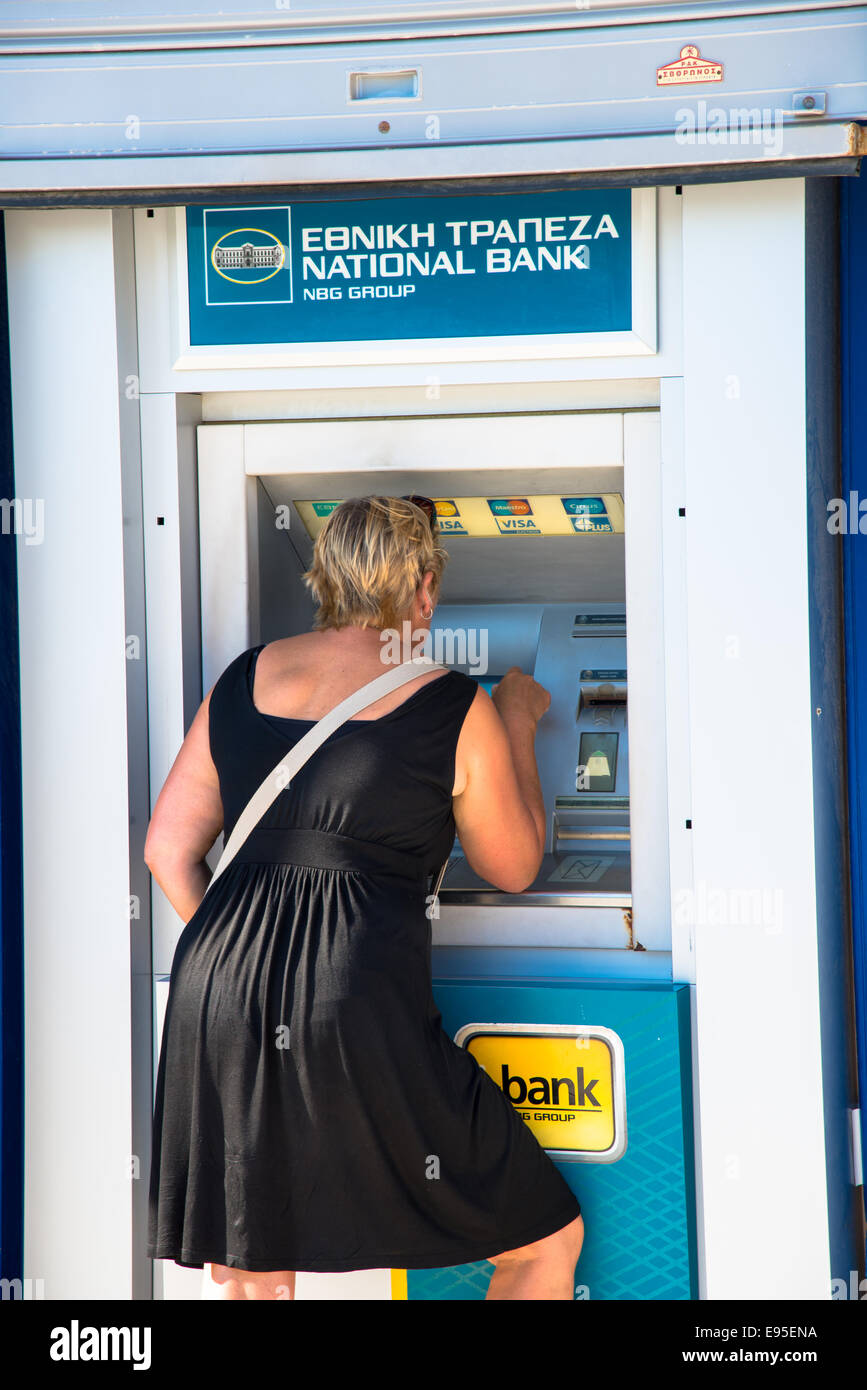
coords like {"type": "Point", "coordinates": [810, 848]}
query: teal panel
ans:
{"type": "Point", "coordinates": [639, 1212]}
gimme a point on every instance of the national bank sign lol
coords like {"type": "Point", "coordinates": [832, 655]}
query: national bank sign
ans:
{"type": "Point", "coordinates": [534, 263]}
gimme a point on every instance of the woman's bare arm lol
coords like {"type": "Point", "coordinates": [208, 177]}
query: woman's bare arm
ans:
{"type": "Point", "coordinates": [500, 813]}
{"type": "Point", "coordinates": [186, 820]}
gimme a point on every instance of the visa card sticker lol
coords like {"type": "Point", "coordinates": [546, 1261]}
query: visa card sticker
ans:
{"type": "Point", "coordinates": [449, 517]}
{"type": "Point", "coordinates": [514, 516]}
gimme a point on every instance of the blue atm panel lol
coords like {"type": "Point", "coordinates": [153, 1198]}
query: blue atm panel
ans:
{"type": "Point", "coordinates": [638, 1210]}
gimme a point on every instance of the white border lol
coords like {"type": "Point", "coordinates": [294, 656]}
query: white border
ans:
{"type": "Point", "coordinates": [232, 455]}
{"type": "Point", "coordinates": [254, 303]}
{"type": "Point", "coordinates": [641, 340]}
{"type": "Point", "coordinates": [618, 1075]}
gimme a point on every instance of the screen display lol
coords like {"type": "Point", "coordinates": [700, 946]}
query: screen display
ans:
{"type": "Point", "coordinates": [597, 762]}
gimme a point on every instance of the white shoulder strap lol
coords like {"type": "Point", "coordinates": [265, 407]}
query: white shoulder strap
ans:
{"type": "Point", "coordinates": [280, 776]}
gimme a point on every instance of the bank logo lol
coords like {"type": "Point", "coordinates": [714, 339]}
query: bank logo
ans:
{"type": "Point", "coordinates": [689, 67]}
{"type": "Point", "coordinates": [567, 1082]}
{"type": "Point", "coordinates": [247, 256]}
{"type": "Point", "coordinates": [267, 257]}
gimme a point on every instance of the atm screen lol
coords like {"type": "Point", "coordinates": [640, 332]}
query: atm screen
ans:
{"type": "Point", "coordinates": [597, 762]}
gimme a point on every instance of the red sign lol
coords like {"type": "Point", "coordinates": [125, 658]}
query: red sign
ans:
{"type": "Point", "coordinates": [689, 67]}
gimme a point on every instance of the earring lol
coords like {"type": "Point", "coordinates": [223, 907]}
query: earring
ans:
{"type": "Point", "coordinates": [427, 615]}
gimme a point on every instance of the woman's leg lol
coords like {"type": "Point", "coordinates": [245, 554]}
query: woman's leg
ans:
{"type": "Point", "coordinates": [219, 1281]}
{"type": "Point", "coordinates": [543, 1270]}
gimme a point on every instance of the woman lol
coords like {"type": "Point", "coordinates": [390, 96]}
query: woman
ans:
{"type": "Point", "coordinates": [311, 1112]}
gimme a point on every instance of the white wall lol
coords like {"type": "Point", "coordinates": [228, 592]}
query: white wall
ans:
{"type": "Point", "coordinates": [761, 1139]}
{"type": "Point", "coordinates": [77, 1217]}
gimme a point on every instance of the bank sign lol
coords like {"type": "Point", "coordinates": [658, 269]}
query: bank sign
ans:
{"type": "Point", "coordinates": [567, 1083]}
{"type": "Point", "coordinates": [450, 267]}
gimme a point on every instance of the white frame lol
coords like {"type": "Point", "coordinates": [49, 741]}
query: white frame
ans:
{"type": "Point", "coordinates": [233, 456]}
{"type": "Point", "coordinates": [262, 207]}
{"type": "Point", "coordinates": [641, 340]}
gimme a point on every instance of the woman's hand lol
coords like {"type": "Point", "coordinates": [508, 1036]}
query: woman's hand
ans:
{"type": "Point", "coordinates": [521, 695]}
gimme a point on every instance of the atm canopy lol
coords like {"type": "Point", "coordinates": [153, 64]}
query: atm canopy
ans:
{"type": "Point", "coordinates": [178, 104]}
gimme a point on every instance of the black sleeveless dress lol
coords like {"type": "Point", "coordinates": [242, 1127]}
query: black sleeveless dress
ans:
{"type": "Point", "coordinates": [311, 1113]}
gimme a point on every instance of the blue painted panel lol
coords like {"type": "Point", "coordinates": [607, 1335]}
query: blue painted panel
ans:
{"type": "Point", "coordinates": [639, 1212]}
{"type": "Point", "coordinates": [11, 919]}
{"type": "Point", "coordinates": [390, 268]}
{"type": "Point", "coordinates": [853, 323]}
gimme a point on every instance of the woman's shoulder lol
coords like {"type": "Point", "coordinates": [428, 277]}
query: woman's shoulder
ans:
{"type": "Point", "coordinates": [452, 677]}
{"type": "Point", "coordinates": [231, 681]}
{"type": "Point", "coordinates": [226, 704]}
{"type": "Point", "coordinates": [464, 687]}
{"type": "Point", "coordinates": [468, 683]}
{"type": "Point", "coordinates": [238, 664]}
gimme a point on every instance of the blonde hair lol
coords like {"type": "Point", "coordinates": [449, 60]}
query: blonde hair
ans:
{"type": "Point", "coordinates": [369, 559]}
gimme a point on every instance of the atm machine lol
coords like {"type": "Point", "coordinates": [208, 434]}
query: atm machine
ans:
{"type": "Point", "coordinates": [564, 993]}
{"type": "Point", "coordinates": [622, 1135]}
{"type": "Point", "coordinates": [582, 756]}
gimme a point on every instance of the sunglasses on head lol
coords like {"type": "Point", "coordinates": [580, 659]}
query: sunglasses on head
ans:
{"type": "Point", "coordinates": [427, 506]}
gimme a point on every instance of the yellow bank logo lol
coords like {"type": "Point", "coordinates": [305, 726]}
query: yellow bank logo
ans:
{"type": "Point", "coordinates": [567, 1083]}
